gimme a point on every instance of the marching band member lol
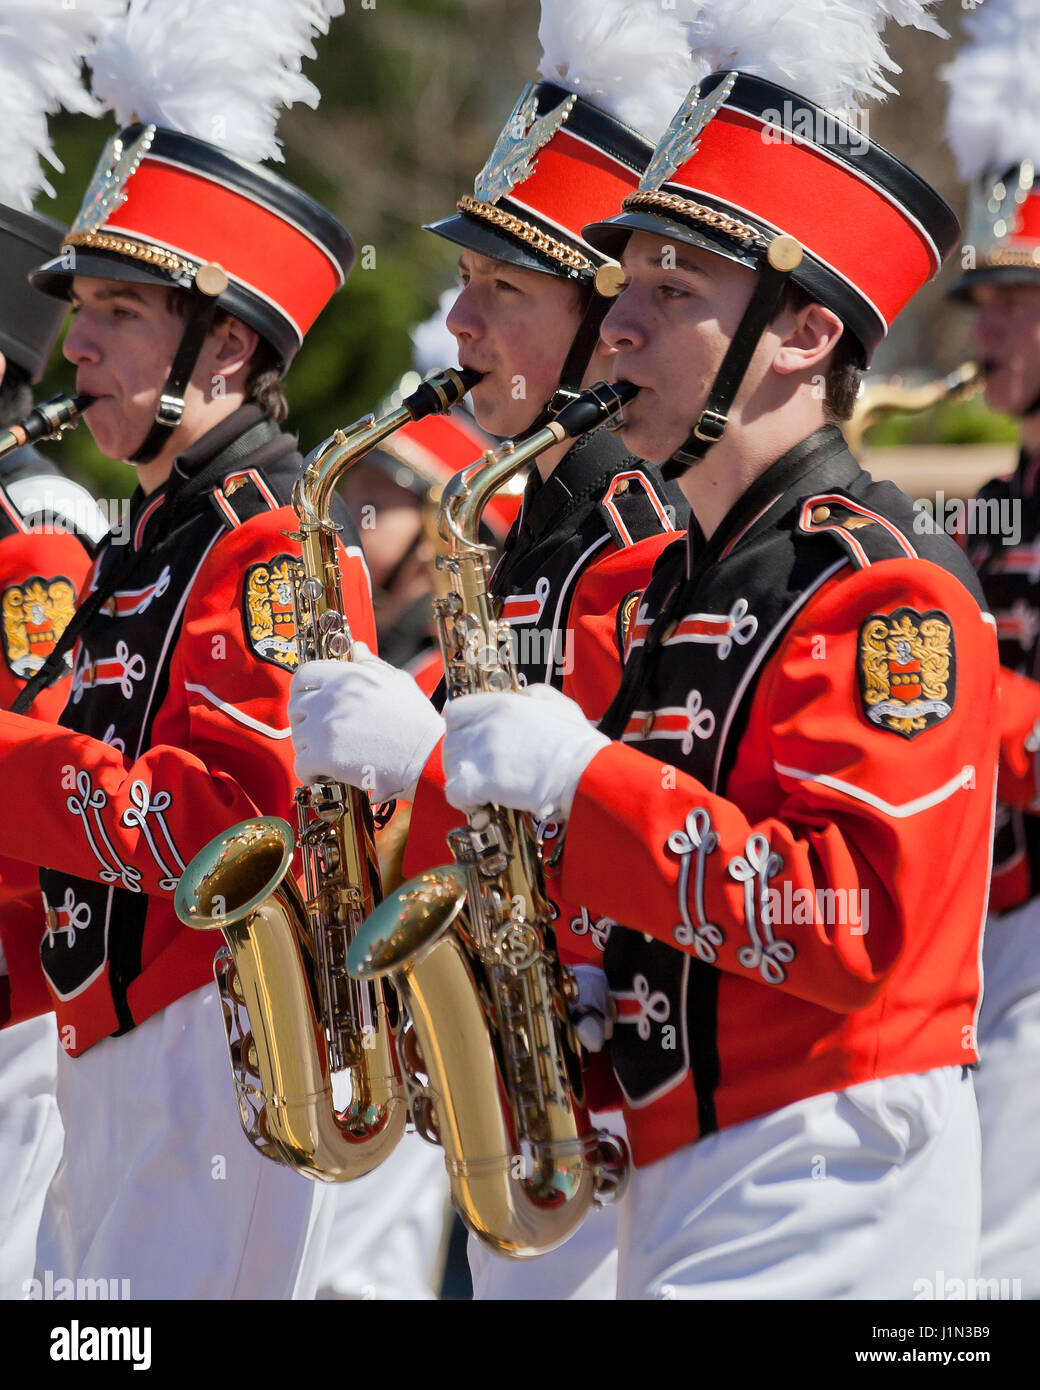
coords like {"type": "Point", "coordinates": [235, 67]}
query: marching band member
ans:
{"type": "Point", "coordinates": [996, 143]}
{"type": "Point", "coordinates": [193, 276]}
{"type": "Point", "coordinates": [46, 524]}
{"type": "Point", "coordinates": [806, 714]}
{"type": "Point", "coordinates": [593, 519]}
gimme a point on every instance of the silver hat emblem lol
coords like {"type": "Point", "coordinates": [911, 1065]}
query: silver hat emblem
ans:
{"type": "Point", "coordinates": [680, 140]}
{"type": "Point", "coordinates": [105, 193]}
{"type": "Point", "coordinates": [524, 134]}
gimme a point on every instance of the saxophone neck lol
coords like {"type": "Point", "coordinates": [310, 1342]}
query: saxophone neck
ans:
{"type": "Point", "coordinates": [469, 493]}
{"type": "Point", "coordinates": [325, 465]}
{"type": "Point", "coordinates": [883, 398]}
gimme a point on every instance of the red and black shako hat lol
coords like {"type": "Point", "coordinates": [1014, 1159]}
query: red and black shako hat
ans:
{"type": "Point", "coordinates": [575, 145]}
{"type": "Point", "coordinates": [168, 207]}
{"type": "Point", "coordinates": [746, 161]}
{"type": "Point", "coordinates": [752, 170]}
{"type": "Point", "coordinates": [558, 161]}
{"type": "Point", "coordinates": [162, 205]}
{"type": "Point", "coordinates": [1003, 230]}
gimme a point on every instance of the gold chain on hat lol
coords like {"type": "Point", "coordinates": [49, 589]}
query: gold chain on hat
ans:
{"type": "Point", "coordinates": [1007, 257]}
{"type": "Point", "coordinates": [152, 255]}
{"type": "Point", "coordinates": [697, 212]}
{"type": "Point", "coordinates": [541, 241]}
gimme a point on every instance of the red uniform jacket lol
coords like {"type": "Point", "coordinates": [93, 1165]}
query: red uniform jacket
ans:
{"type": "Point", "coordinates": [797, 839]}
{"type": "Point", "coordinates": [42, 566]}
{"type": "Point", "coordinates": [182, 681]}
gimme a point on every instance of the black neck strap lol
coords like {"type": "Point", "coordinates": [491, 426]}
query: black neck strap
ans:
{"type": "Point", "coordinates": [783, 256]}
{"type": "Point", "coordinates": [210, 281]}
{"type": "Point", "coordinates": [576, 363]}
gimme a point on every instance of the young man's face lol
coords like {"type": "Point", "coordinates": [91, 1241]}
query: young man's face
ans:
{"type": "Point", "coordinates": [670, 328]}
{"type": "Point", "coordinates": [122, 341]}
{"type": "Point", "coordinates": [515, 326]}
{"type": "Point", "coordinates": [1007, 330]}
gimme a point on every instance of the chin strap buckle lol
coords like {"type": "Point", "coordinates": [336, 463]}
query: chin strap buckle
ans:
{"type": "Point", "coordinates": [169, 411]}
{"type": "Point", "coordinates": [711, 426]}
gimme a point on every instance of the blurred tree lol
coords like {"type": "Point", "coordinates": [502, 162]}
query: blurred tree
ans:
{"type": "Point", "coordinates": [414, 93]}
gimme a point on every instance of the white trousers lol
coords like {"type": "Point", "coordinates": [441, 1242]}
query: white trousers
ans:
{"type": "Point", "coordinates": [389, 1231]}
{"type": "Point", "coordinates": [30, 1143]}
{"type": "Point", "coordinates": [871, 1192]}
{"type": "Point", "coordinates": [159, 1187]}
{"type": "Point", "coordinates": [1007, 1084]}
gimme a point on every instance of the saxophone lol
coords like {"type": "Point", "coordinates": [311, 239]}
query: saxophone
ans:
{"type": "Point", "coordinates": [45, 421]}
{"type": "Point", "coordinates": [293, 1016]}
{"type": "Point", "coordinates": [486, 993]}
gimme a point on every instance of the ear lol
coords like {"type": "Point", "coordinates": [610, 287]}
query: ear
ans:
{"type": "Point", "coordinates": [807, 336]}
{"type": "Point", "coordinates": [232, 344]}
{"type": "Point", "coordinates": [3, 368]}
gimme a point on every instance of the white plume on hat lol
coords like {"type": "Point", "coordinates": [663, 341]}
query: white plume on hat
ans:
{"type": "Point", "coordinates": [221, 72]}
{"type": "Point", "coordinates": [42, 47]}
{"type": "Point", "coordinates": [830, 51]}
{"type": "Point", "coordinates": [993, 120]}
{"type": "Point", "coordinates": [627, 57]}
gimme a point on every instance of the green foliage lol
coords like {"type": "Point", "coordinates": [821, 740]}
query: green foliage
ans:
{"type": "Point", "coordinates": [953, 422]}
{"type": "Point", "coordinates": [411, 104]}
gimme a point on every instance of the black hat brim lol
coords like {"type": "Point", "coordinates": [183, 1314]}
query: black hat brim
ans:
{"type": "Point", "coordinates": [56, 276]}
{"type": "Point", "coordinates": [612, 236]}
{"type": "Point", "coordinates": [498, 246]}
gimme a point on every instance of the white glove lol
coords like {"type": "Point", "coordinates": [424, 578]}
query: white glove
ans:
{"type": "Point", "coordinates": [592, 1015]}
{"type": "Point", "coordinates": [526, 751]}
{"type": "Point", "coordinates": [362, 722]}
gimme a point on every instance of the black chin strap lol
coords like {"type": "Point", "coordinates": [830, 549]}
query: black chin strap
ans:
{"type": "Point", "coordinates": [210, 282]}
{"type": "Point", "coordinates": [579, 354]}
{"type": "Point", "coordinates": [783, 256]}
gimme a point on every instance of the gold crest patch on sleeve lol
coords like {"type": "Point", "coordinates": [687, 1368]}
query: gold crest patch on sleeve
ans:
{"type": "Point", "coordinates": [35, 614]}
{"type": "Point", "coordinates": [907, 670]}
{"type": "Point", "coordinates": [269, 616]}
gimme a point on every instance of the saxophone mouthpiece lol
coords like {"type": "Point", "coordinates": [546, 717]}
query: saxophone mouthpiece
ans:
{"type": "Point", "coordinates": [600, 404]}
{"type": "Point", "coordinates": [45, 421]}
{"type": "Point", "coordinates": [440, 392]}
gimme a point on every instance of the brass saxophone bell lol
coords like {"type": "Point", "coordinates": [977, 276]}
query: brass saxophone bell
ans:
{"type": "Point", "coordinates": [408, 922]}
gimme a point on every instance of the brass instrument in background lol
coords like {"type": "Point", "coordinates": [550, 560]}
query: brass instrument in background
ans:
{"type": "Point", "coordinates": [485, 992]}
{"type": "Point", "coordinates": [284, 965]}
{"type": "Point", "coordinates": [45, 421]}
{"type": "Point", "coordinates": [881, 398]}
